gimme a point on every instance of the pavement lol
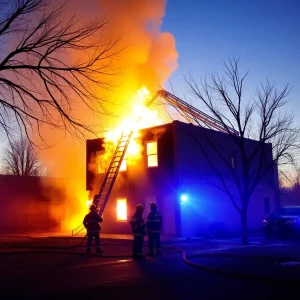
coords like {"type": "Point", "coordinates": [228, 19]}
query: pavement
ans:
{"type": "Point", "coordinates": [56, 267]}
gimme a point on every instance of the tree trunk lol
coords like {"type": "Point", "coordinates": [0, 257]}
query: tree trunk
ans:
{"type": "Point", "coordinates": [244, 226]}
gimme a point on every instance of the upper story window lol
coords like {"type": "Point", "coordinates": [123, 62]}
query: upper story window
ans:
{"type": "Point", "coordinates": [152, 160]}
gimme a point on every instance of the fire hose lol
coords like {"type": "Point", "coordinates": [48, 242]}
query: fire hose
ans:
{"type": "Point", "coordinates": [186, 258]}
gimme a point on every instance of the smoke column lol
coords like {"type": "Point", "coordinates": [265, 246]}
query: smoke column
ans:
{"type": "Point", "coordinates": [147, 57]}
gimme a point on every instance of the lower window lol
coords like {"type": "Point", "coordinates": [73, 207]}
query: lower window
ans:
{"type": "Point", "coordinates": [121, 209]}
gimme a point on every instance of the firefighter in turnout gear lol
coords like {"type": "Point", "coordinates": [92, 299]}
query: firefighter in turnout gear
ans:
{"type": "Point", "coordinates": [91, 223]}
{"type": "Point", "coordinates": [153, 227]}
{"type": "Point", "coordinates": [138, 232]}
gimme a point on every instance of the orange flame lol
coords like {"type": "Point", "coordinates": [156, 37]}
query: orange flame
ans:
{"type": "Point", "coordinates": [88, 203]}
{"type": "Point", "coordinates": [150, 59]}
{"type": "Point", "coordinates": [142, 117]}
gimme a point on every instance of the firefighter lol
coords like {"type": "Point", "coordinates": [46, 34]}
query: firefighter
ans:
{"type": "Point", "coordinates": [91, 223]}
{"type": "Point", "coordinates": [153, 227]}
{"type": "Point", "coordinates": [138, 232]}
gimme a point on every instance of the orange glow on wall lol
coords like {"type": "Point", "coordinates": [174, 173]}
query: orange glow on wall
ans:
{"type": "Point", "coordinates": [122, 209]}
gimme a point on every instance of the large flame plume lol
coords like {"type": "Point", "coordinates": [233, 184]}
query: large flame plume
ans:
{"type": "Point", "coordinates": [147, 59]}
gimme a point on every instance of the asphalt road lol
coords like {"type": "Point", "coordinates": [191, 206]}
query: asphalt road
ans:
{"type": "Point", "coordinates": [48, 269]}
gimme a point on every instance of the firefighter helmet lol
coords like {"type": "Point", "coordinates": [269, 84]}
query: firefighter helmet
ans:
{"type": "Point", "coordinates": [93, 207]}
{"type": "Point", "coordinates": [140, 207]}
{"type": "Point", "coordinates": [152, 205]}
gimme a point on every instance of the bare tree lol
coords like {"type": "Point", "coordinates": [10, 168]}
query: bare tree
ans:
{"type": "Point", "coordinates": [49, 60]}
{"type": "Point", "coordinates": [260, 119]}
{"type": "Point", "coordinates": [20, 159]}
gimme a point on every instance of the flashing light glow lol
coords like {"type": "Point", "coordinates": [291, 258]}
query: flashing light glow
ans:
{"type": "Point", "coordinates": [183, 198]}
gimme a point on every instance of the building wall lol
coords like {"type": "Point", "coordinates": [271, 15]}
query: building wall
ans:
{"type": "Point", "coordinates": [25, 204]}
{"type": "Point", "coordinates": [209, 207]}
{"type": "Point", "coordinates": [161, 196]}
{"type": "Point", "coordinates": [139, 184]}
{"type": "Point", "coordinates": [208, 211]}
{"type": "Point", "coordinates": [183, 169]}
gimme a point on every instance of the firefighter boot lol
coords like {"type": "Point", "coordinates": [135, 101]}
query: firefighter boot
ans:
{"type": "Point", "coordinates": [98, 250]}
{"type": "Point", "coordinates": [150, 253]}
{"type": "Point", "coordinates": [139, 257]}
{"type": "Point", "coordinates": [88, 251]}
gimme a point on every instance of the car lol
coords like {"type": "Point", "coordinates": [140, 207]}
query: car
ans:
{"type": "Point", "coordinates": [284, 221]}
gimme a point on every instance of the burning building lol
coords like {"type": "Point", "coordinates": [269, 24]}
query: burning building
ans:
{"type": "Point", "coordinates": [164, 164]}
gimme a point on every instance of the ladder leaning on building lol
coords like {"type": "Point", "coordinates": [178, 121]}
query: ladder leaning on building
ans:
{"type": "Point", "coordinates": [190, 112]}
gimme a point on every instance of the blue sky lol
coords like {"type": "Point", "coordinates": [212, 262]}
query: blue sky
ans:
{"type": "Point", "coordinates": [265, 35]}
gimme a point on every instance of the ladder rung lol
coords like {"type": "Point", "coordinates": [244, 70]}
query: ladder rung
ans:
{"type": "Point", "coordinates": [112, 172]}
{"type": "Point", "coordinates": [103, 194]}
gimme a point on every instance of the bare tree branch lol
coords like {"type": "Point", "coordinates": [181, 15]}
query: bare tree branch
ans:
{"type": "Point", "coordinates": [49, 61]}
{"type": "Point", "coordinates": [21, 159]}
{"type": "Point", "coordinates": [261, 120]}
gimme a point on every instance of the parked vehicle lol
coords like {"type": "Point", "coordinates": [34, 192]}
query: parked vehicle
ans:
{"type": "Point", "coordinates": [284, 221]}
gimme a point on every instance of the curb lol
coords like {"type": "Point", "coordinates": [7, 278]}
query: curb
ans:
{"type": "Point", "coordinates": [229, 273]}
{"type": "Point", "coordinates": [260, 257]}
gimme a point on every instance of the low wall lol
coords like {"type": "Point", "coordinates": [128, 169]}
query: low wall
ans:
{"type": "Point", "coordinates": [26, 201]}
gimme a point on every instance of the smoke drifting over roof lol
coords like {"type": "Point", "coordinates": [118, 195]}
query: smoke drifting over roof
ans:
{"type": "Point", "coordinates": [147, 57]}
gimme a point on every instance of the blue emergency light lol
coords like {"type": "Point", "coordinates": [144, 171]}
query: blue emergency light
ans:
{"type": "Point", "coordinates": [183, 198]}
